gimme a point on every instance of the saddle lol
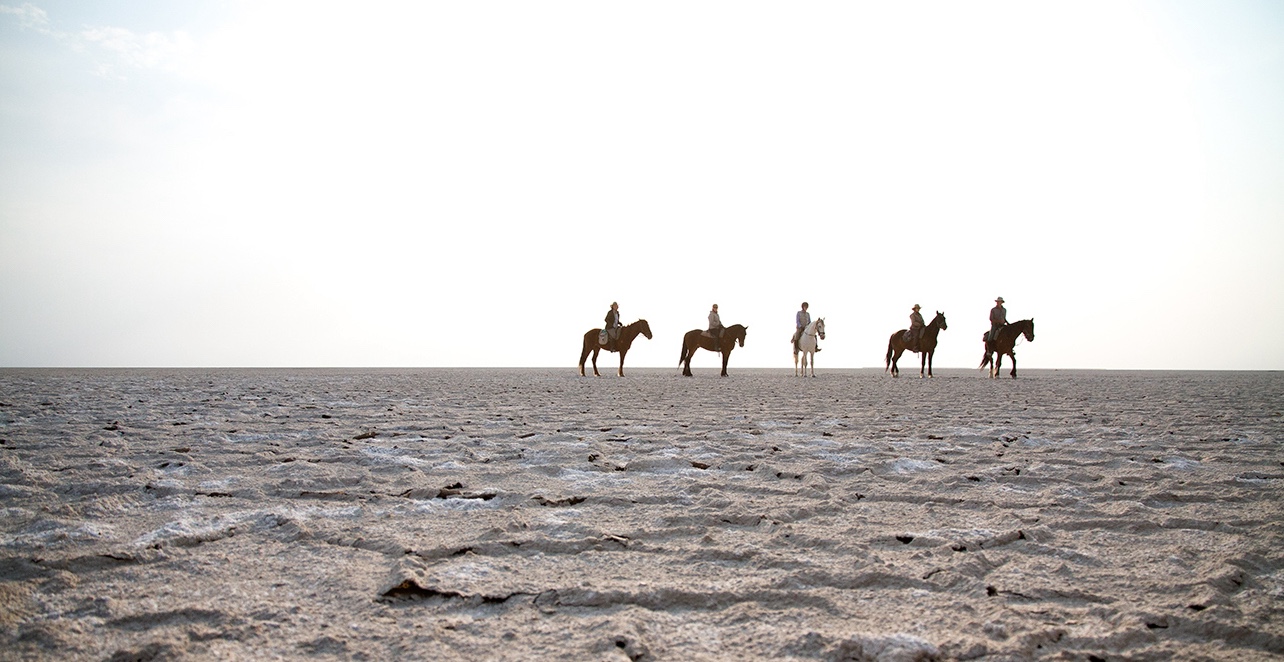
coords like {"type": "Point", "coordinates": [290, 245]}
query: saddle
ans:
{"type": "Point", "coordinates": [910, 338]}
{"type": "Point", "coordinates": [989, 342]}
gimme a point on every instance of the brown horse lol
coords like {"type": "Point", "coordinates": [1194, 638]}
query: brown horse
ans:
{"type": "Point", "coordinates": [1005, 343]}
{"type": "Point", "coordinates": [627, 335]}
{"type": "Point", "coordinates": [926, 347]}
{"type": "Point", "coordinates": [695, 339]}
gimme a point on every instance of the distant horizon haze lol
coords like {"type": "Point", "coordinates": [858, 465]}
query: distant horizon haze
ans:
{"type": "Point", "coordinates": [232, 184]}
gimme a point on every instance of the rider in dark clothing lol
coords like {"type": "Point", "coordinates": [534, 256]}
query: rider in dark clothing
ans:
{"type": "Point", "coordinates": [915, 332]}
{"type": "Point", "coordinates": [613, 327]}
{"type": "Point", "coordinates": [998, 319]}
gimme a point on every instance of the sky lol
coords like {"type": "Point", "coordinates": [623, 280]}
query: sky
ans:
{"type": "Point", "coordinates": [215, 184]}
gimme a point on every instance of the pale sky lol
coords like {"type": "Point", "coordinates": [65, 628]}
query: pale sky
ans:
{"type": "Point", "coordinates": [473, 183]}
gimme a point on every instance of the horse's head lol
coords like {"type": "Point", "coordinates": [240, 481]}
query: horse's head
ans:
{"type": "Point", "coordinates": [1028, 331]}
{"type": "Point", "coordinates": [820, 328]}
{"type": "Point", "coordinates": [737, 333]}
{"type": "Point", "coordinates": [644, 328]}
{"type": "Point", "coordinates": [939, 321]}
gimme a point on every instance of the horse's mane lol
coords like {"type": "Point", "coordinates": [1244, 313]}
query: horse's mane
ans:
{"type": "Point", "coordinates": [1016, 329]}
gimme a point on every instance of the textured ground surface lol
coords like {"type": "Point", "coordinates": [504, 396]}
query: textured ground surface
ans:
{"type": "Point", "coordinates": [534, 514]}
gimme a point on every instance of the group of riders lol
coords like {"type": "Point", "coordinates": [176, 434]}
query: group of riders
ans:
{"type": "Point", "coordinates": [802, 319]}
{"type": "Point", "coordinates": [998, 318]}
{"type": "Point", "coordinates": [611, 331]}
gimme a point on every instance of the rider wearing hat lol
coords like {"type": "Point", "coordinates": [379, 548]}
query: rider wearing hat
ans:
{"type": "Point", "coordinates": [998, 318]}
{"type": "Point", "coordinates": [715, 328]}
{"type": "Point", "coordinates": [916, 328]}
{"type": "Point", "coordinates": [613, 326]}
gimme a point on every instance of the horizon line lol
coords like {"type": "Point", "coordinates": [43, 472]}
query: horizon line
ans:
{"type": "Point", "coordinates": [575, 368]}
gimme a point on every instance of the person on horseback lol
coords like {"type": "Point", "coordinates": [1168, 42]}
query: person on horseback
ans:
{"type": "Point", "coordinates": [801, 320]}
{"type": "Point", "coordinates": [998, 319]}
{"type": "Point", "coordinates": [915, 331]}
{"type": "Point", "coordinates": [612, 327]}
{"type": "Point", "coordinates": [715, 328]}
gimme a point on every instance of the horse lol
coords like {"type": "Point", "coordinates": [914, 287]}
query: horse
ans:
{"type": "Point", "coordinates": [627, 335]}
{"type": "Point", "coordinates": [696, 338]}
{"type": "Point", "coordinates": [1005, 343]}
{"type": "Point", "coordinates": [926, 347]}
{"type": "Point", "coordinates": [807, 345]}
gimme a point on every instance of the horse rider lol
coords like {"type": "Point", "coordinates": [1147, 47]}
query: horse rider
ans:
{"type": "Point", "coordinates": [801, 320]}
{"type": "Point", "coordinates": [915, 331]}
{"type": "Point", "coordinates": [998, 319]}
{"type": "Point", "coordinates": [715, 328]}
{"type": "Point", "coordinates": [613, 327]}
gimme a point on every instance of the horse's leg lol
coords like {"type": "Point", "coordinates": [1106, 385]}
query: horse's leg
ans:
{"type": "Point", "coordinates": [595, 353]}
{"type": "Point", "coordinates": [998, 365]}
{"type": "Point", "coordinates": [796, 362]}
{"type": "Point", "coordinates": [812, 361]}
{"type": "Point", "coordinates": [687, 352]}
{"type": "Point", "coordinates": [726, 354]}
{"type": "Point", "coordinates": [622, 353]}
{"type": "Point", "coordinates": [922, 363]}
{"type": "Point", "coordinates": [929, 363]}
{"type": "Point", "coordinates": [1013, 355]}
{"type": "Point", "coordinates": [896, 371]}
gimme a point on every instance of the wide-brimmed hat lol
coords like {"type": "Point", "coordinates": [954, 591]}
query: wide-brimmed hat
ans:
{"type": "Point", "coordinates": [999, 300]}
{"type": "Point", "coordinates": [916, 306]}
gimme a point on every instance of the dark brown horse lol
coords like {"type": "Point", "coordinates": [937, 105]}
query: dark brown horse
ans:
{"type": "Point", "coordinates": [1005, 343]}
{"type": "Point", "coordinates": [695, 339]}
{"type": "Point", "coordinates": [926, 347]}
{"type": "Point", "coordinates": [627, 335]}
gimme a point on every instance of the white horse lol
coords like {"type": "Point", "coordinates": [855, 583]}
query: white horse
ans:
{"type": "Point", "coordinates": [807, 346]}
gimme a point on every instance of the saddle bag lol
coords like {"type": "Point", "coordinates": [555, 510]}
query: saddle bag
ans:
{"type": "Point", "coordinates": [602, 338]}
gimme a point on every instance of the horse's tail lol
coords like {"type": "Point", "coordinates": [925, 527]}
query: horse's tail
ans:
{"type": "Point", "coordinates": [887, 360]}
{"type": "Point", "coordinates": [985, 361]}
{"type": "Point", "coordinates": [682, 358]}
